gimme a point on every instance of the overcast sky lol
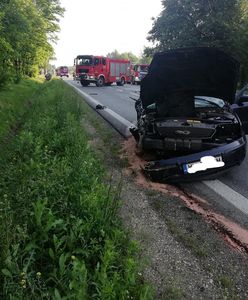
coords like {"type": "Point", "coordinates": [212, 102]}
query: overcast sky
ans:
{"type": "Point", "coordinates": [98, 27]}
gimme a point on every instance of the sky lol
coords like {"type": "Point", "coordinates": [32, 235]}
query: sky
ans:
{"type": "Point", "coordinates": [97, 27]}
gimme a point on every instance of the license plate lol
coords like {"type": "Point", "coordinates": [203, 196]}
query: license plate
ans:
{"type": "Point", "coordinates": [206, 162]}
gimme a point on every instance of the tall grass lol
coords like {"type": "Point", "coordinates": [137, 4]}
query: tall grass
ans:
{"type": "Point", "coordinates": [14, 101]}
{"type": "Point", "coordinates": [60, 234]}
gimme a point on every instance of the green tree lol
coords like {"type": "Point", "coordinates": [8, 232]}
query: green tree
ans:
{"type": "Point", "coordinates": [125, 55]}
{"type": "Point", "coordinates": [191, 23]}
{"type": "Point", "coordinates": [27, 30]}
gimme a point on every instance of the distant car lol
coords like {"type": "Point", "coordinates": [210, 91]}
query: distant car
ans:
{"type": "Point", "coordinates": [188, 117]}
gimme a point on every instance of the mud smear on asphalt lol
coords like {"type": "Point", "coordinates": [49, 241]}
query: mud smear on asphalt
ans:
{"type": "Point", "coordinates": [231, 232]}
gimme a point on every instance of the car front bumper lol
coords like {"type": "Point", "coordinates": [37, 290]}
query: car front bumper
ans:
{"type": "Point", "coordinates": [173, 169]}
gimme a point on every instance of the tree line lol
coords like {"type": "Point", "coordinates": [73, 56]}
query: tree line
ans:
{"type": "Point", "coordinates": [130, 56]}
{"type": "Point", "coordinates": [194, 23]}
{"type": "Point", "coordinates": [27, 30]}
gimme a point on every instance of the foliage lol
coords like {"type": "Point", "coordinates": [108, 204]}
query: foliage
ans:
{"type": "Point", "coordinates": [13, 105]}
{"type": "Point", "coordinates": [27, 29]}
{"type": "Point", "coordinates": [191, 23]}
{"type": "Point", "coordinates": [125, 55]}
{"type": "Point", "coordinates": [60, 234]}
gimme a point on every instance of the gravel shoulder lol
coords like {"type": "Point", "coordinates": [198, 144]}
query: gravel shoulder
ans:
{"type": "Point", "coordinates": [184, 257]}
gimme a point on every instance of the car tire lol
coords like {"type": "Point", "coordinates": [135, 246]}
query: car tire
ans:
{"type": "Point", "coordinates": [122, 81]}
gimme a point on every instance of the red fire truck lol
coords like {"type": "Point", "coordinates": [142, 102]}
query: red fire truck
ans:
{"type": "Point", "coordinates": [62, 71]}
{"type": "Point", "coordinates": [138, 72]}
{"type": "Point", "coordinates": [101, 70]}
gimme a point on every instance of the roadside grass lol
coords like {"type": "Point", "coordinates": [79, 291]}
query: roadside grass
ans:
{"type": "Point", "coordinates": [60, 233]}
{"type": "Point", "coordinates": [228, 286]}
{"type": "Point", "coordinates": [191, 241]}
{"type": "Point", "coordinates": [106, 136]}
{"type": "Point", "coordinates": [173, 292]}
{"type": "Point", "coordinates": [14, 100]}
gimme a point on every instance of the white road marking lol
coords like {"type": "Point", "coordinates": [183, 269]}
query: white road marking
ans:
{"type": "Point", "coordinates": [236, 199]}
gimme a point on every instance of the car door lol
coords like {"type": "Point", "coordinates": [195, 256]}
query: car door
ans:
{"type": "Point", "coordinates": [240, 107]}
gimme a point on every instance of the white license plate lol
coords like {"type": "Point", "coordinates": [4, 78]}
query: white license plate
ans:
{"type": "Point", "coordinates": [206, 162]}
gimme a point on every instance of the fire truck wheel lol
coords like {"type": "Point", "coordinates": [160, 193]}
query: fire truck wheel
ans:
{"type": "Point", "coordinates": [100, 81]}
{"type": "Point", "coordinates": [121, 83]}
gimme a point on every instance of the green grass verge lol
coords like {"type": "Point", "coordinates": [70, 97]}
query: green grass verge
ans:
{"type": "Point", "coordinates": [60, 233]}
{"type": "Point", "coordinates": [14, 101]}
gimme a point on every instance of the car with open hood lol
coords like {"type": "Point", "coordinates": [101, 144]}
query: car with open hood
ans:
{"type": "Point", "coordinates": [189, 116]}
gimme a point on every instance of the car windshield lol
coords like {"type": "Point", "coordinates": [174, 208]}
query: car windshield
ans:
{"type": "Point", "coordinates": [204, 101]}
{"type": "Point", "coordinates": [200, 102]}
{"type": "Point", "coordinates": [64, 69]}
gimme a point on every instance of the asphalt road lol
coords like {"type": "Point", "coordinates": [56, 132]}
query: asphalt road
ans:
{"type": "Point", "coordinates": [115, 97]}
{"type": "Point", "coordinates": [228, 194]}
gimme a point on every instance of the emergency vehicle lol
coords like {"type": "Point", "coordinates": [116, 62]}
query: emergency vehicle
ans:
{"type": "Point", "coordinates": [101, 70]}
{"type": "Point", "coordinates": [138, 72]}
{"type": "Point", "coordinates": [62, 71]}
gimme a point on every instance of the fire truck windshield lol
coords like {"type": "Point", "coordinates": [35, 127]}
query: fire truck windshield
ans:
{"type": "Point", "coordinates": [85, 60]}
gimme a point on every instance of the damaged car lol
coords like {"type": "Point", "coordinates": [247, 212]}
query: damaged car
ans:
{"type": "Point", "coordinates": [188, 117]}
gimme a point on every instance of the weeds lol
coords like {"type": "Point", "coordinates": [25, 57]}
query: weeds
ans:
{"type": "Point", "coordinates": [60, 235]}
{"type": "Point", "coordinates": [191, 241]}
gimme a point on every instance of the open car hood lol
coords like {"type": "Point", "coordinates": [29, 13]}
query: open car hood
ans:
{"type": "Point", "coordinates": [176, 76]}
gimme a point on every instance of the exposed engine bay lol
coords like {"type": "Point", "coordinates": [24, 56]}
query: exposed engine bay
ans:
{"type": "Point", "coordinates": [187, 117]}
{"type": "Point", "coordinates": [209, 128]}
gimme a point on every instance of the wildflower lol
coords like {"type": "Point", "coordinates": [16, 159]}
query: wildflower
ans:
{"type": "Point", "coordinates": [73, 257]}
{"type": "Point", "coordinates": [23, 283]}
{"type": "Point", "coordinates": [23, 274]}
{"type": "Point", "coordinates": [38, 274]}
{"type": "Point", "coordinates": [5, 196]}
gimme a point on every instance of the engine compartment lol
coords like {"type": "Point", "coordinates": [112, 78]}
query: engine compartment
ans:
{"type": "Point", "coordinates": [207, 129]}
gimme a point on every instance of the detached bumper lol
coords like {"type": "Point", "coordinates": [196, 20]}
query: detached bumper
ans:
{"type": "Point", "coordinates": [173, 169]}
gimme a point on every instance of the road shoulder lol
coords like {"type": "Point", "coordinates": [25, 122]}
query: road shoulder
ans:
{"type": "Point", "coordinates": [185, 257]}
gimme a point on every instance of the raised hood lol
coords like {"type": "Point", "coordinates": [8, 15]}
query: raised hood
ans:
{"type": "Point", "coordinates": [176, 76]}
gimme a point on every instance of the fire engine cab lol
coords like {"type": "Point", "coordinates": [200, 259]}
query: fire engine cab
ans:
{"type": "Point", "coordinates": [101, 70]}
{"type": "Point", "coordinates": [62, 71]}
{"type": "Point", "coordinates": [138, 72]}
